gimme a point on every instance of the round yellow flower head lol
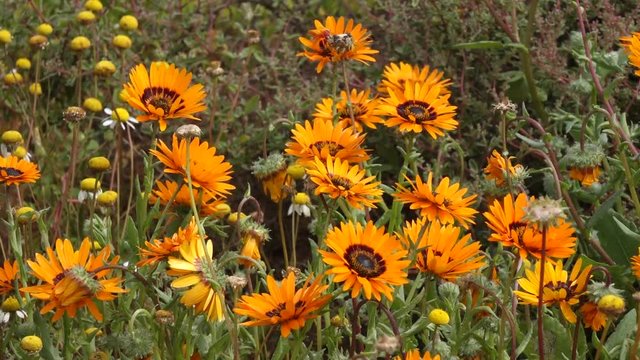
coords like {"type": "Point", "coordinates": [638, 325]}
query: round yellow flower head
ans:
{"type": "Point", "coordinates": [107, 198]}
{"type": "Point", "coordinates": [90, 184]}
{"type": "Point", "coordinates": [221, 210]}
{"type": "Point", "coordinates": [23, 63]}
{"type": "Point", "coordinates": [5, 36]}
{"type": "Point", "coordinates": [86, 17]}
{"type": "Point", "coordinates": [122, 95]}
{"type": "Point", "coordinates": [20, 152]}
{"type": "Point", "coordinates": [31, 344]}
{"type": "Point", "coordinates": [10, 305]}
{"type": "Point", "coordinates": [99, 163]}
{"type": "Point", "coordinates": [120, 114]}
{"type": "Point", "coordinates": [11, 137]}
{"type": "Point", "coordinates": [439, 317]}
{"type": "Point", "coordinates": [26, 215]}
{"type": "Point", "coordinates": [129, 22]}
{"type": "Point", "coordinates": [122, 41]}
{"type": "Point", "coordinates": [104, 68]}
{"type": "Point", "coordinates": [93, 5]}
{"type": "Point", "coordinates": [35, 89]}
{"type": "Point", "coordinates": [13, 78]}
{"type": "Point", "coordinates": [80, 43]}
{"type": "Point", "coordinates": [296, 171]}
{"type": "Point", "coordinates": [92, 104]}
{"type": "Point", "coordinates": [301, 198]}
{"type": "Point", "coordinates": [44, 29]}
{"type": "Point", "coordinates": [38, 40]}
{"type": "Point", "coordinates": [611, 304]}
{"type": "Point", "coordinates": [234, 217]}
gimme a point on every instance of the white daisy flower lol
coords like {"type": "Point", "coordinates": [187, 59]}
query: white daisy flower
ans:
{"type": "Point", "coordinates": [119, 116]}
{"type": "Point", "coordinates": [300, 204]}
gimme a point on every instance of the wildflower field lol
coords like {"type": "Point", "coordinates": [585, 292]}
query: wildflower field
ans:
{"type": "Point", "coordinates": [320, 179]}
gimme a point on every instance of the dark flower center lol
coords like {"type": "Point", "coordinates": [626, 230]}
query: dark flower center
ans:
{"type": "Point", "coordinates": [276, 312]}
{"type": "Point", "coordinates": [7, 171]}
{"type": "Point", "coordinates": [160, 97]}
{"type": "Point", "coordinates": [364, 261]}
{"type": "Point", "coordinates": [358, 111]}
{"type": "Point", "coordinates": [340, 43]}
{"type": "Point", "coordinates": [570, 289]}
{"type": "Point", "coordinates": [331, 145]}
{"type": "Point", "coordinates": [341, 182]}
{"type": "Point", "coordinates": [519, 227]}
{"type": "Point", "coordinates": [417, 111]}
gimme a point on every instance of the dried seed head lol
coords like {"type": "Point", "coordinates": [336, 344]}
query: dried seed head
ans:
{"type": "Point", "coordinates": [74, 114]}
{"type": "Point", "coordinates": [189, 131]}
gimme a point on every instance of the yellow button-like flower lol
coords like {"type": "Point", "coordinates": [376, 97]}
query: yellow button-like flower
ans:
{"type": "Point", "coordinates": [122, 41]}
{"type": "Point", "coordinates": [104, 68]}
{"type": "Point", "coordinates": [31, 344]}
{"type": "Point", "coordinates": [38, 40]}
{"type": "Point", "coordinates": [80, 43]}
{"type": "Point", "coordinates": [90, 184]}
{"type": "Point", "coordinates": [5, 36]}
{"type": "Point", "coordinates": [296, 171]}
{"type": "Point", "coordinates": [86, 17]}
{"type": "Point", "coordinates": [439, 317]}
{"type": "Point", "coordinates": [128, 22]}
{"type": "Point", "coordinates": [233, 217]}
{"type": "Point", "coordinates": [611, 304]}
{"type": "Point", "coordinates": [93, 5]}
{"type": "Point", "coordinates": [23, 63]}
{"type": "Point", "coordinates": [221, 210]}
{"type": "Point", "coordinates": [10, 305]}
{"type": "Point", "coordinates": [11, 137]}
{"type": "Point", "coordinates": [301, 198]}
{"type": "Point", "coordinates": [26, 215]}
{"type": "Point", "coordinates": [35, 89]}
{"type": "Point", "coordinates": [13, 78]}
{"type": "Point", "coordinates": [120, 114]}
{"type": "Point", "coordinates": [107, 198]}
{"type": "Point", "coordinates": [99, 163]}
{"type": "Point", "coordinates": [44, 29]}
{"type": "Point", "coordinates": [92, 104]}
{"type": "Point", "coordinates": [20, 152]}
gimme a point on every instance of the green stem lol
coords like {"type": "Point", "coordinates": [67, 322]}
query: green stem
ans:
{"type": "Point", "coordinates": [540, 292]}
{"type": "Point", "coordinates": [283, 236]}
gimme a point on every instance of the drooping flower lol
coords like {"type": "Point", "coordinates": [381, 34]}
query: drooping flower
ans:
{"type": "Point", "coordinates": [16, 171]}
{"type": "Point", "coordinates": [415, 355]}
{"type": "Point", "coordinates": [164, 191]}
{"type": "Point", "coordinates": [631, 44]}
{"type": "Point", "coordinates": [509, 226]}
{"type": "Point", "coordinates": [586, 175]}
{"type": "Point", "coordinates": [272, 172]}
{"type": "Point", "coordinates": [160, 250]}
{"type": "Point", "coordinates": [362, 106]}
{"type": "Point", "coordinates": [560, 287]}
{"type": "Point", "coordinates": [322, 139]}
{"type": "Point", "coordinates": [592, 317]}
{"type": "Point", "coordinates": [72, 279]}
{"type": "Point", "coordinates": [446, 203]}
{"type": "Point", "coordinates": [397, 76]}
{"type": "Point", "coordinates": [418, 108]}
{"type": "Point", "coordinates": [164, 92]}
{"type": "Point", "coordinates": [284, 305]}
{"type": "Point", "coordinates": [197, 270]}
{"type": "Point", "coordinates": [8, 274]}
{"type": "Point", "coordinates": [336, 41]}
{"type": "Point", "coordinates": [441, 251]}
{"type": "Point", "coordinates": [499, 168]}
{"type": "Point", "coordinates": [208, 170]}
{"type": "Point", "coordinates": [365, 259]}
{"type": "Point", "coordinates": [338, 179]}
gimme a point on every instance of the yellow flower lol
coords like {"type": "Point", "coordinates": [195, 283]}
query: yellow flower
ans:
{"type": "Point", "coordinates": [122, 41]}
{"type": "Point", "coordinates": [611, 304]}
{"type": "Point", "coordinates": [560, 287]}
{"type": "Point", "coordinates": [104, 68]}
{"type": "Point", "coordinates": [23, 63]}
{"type": "Point", "coordinates": [38, 41]}
{"type": "Point", "coordinates": [415, 355]}
{"type": "Point", "coordinates": [90, 184]}
{"type": "Point", "coordinates": [31, 344]}
{"type": "Point", "coordinates": [26, 215]}
{"type": "Point", "coordinates": [80, 43]}
{"type": "Point", "coordinates": [296, 171]}
{"type": "Point", "coordinates": [446, 203]}
{"type": "Point", "coordinates": [11, 137]}
{"type": "Point", "coordinates": [44, 29]}
{"type": "Point", "coordinates": [160, 250]}
{"type": "Point", "coordinates": [5, 36]}
{"type": "Point", "coordinates": [99, 163]}
{"type": "Point", "coordinates": [336, 41]}
{"type": "Point", "coordinates": [439, 317]}
{"type": "Point", "coordinates": [13, 78]}
{"type": "Point", "coordinates": [35, 89]}
{"type": "Point", "coordinates": [92, 104]}
{"type": "Point", "coordinates": [86, 17]}
{"type": "Point", "coordinates": [128, 22]}
{"type": "Point", "coordinates": [93, 5]}
{"type": "Point", "coordinates": [635, 265]}
{"type": "Point", "coordinates": [107, 198]}
{"type": "Point", "coordinates": [592, 317]}
{"type": "Point", "coordinates": [397, 76]}
{"type": "Point", "coordinates": [8, 274]}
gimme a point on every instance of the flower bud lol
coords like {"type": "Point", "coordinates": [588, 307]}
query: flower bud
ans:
{"type": "Point", "coordinates": [104, 68]}
{"type": "Point", "coordinates": [122, 41]}
{"type": "Point", "coordinates": [296, 171]}
{"type": "Point", "coordinates": [80, 43]}
{"type": "Point", "coordinates": [107, 198]}
{"type": "Point", "coordinates": [13, 78]}
{"type": "Point", "coordinates": [128, 22]}
{"type": "Point", "coordinates": [439, 317]}
{"type": "Point", "coordinates": [26, 215]}
{"type": "Point", "coordinates": [11, 137]}
{"type": "Point", "coordinates": [5, 36]}
{"type": "Point", "coordinates": [611, 304]}
{"type": "Point", "coordinates": [92, 104]}
{"type": "Point", "coordinates": [38, 41]}
{"type": "Point", "coordinates": [86, 17]}
{"type": "Point", "coordinates": [90, 184]}
{"type": "Point", "coordinates": [23, 63]}
{"type": "Point", "coordinates": [99, 163]}
{"type": "Point", "coordinates": [35, 89]}
{"type": "Point", "coordinates": [44, 29]}
{"type": "Point", "coordinates": [31, 344]}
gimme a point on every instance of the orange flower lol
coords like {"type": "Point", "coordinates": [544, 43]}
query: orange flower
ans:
{"type": "Point", "coordinates": [363, 107]}
{"type": "Point", "coordinates": [635, 264]}
{"type": "Point", "coordinates": [631, 44]}
{"type": "Point", "coordinates": [160, 250]}
{"type": "Point", "coordinates": [16, 171]}
{"type": "Point", "coordinates": [163, 192]}
{"type": "Point", "coordinates": [415, 355]}
{"type": "Point", "coordinates": [592, 317]}
{"type": "Point", "coordinates": [8, 274]}
{"type": "Point", "coordinates": [586, 175]}
{"type": "Point", "coordinates": [337, 40]}
{"type": "Point", "coordinates": [498, 168]}
{"type": "Point", "coordinates": [397, 76]}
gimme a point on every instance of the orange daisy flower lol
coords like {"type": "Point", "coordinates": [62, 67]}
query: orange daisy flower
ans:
{"type": "Point", "coordinates": [160, 250]}
{"type": "Point", "coordinates": [16, 171]}
{"type": "Point", "coordinates": [631, 44]}
{"type": "Point", "coordinates": [163, 93]}
{"type": "Point", "coordinates": [635, 264]}
{"type": "Point", "coordinates": [441, 250]}
{"type": "Point", "coordinates": [509, 226]}
{"type": "Point", "coordinates": [208, 171]}
{"type": "Point", "coordinates": [363, 107]}
{"type": "Point", "coordinates": [323, 139]}
{"type": "Point", "coordinates": [415, 355]}
{"type": "Point", "coordinates": [283, 304]}
{"type": "Point", "coordinates": [272, 172]}
{"type": "Point", "coordinates": [586, 175]}
{"type": "Point", "coordinates": [560, 287]}
{"type": "Point", "coordinates": [337, 40]}
{"type": "Point", "coordinates": [418, 108]}
{"type": "Point", "coordinates": [446, 204]}
{"type": "Point", "coordinates": [71, 280]}
{"type": "Point", "coordinates": [366, 259]}
{"type": "Point", "coordinates": [498, 168]}
{"type": "Point", "coordinates": [396, 76]}
{"type": "Point", "coordinates": [8, 274]}
{"type": "Point", "coordinates": [592, 317]}
{"type": "Point", "coordinates": [338, 179]}
{"type": "Point", "coordinates": [163, 192]}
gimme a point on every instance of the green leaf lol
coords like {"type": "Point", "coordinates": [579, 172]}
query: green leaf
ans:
{"type": "Point", "coordinates": [616, 237]}
{"type": "Point", "coordinates": [603, 209]}
{"type": "Point", "coordinates": [624, 330]}
{"type": "Point", "coordinates": [485, 44]}
{"type": "Point", "coordinates": [252, 104]}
